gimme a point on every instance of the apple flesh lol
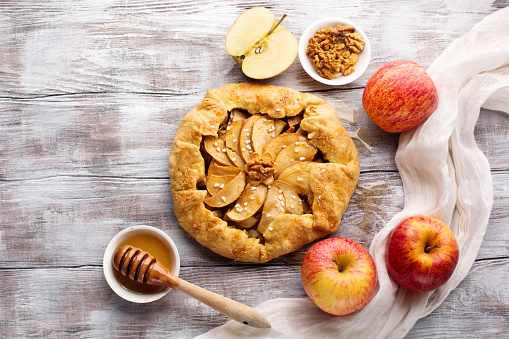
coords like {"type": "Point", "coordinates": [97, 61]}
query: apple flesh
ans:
{"type": "Point", "coordinates": [260, 45]}
{"type": "Point", "coordinates": [422, 253]}
{"type": "Point", "coordinates": [400, 96]}
{"type": "Point", "coordinates": [339, 275]}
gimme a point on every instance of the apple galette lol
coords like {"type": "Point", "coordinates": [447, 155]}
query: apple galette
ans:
{"type": "Point", "coordinates": [258, 171]}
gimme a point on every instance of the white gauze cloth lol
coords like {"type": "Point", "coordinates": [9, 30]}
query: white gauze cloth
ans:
{"type": "Point", "coordinates": [444, 175]}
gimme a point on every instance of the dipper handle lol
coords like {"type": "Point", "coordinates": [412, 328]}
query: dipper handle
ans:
{"type": "Point", "coordinates": [142, 267]}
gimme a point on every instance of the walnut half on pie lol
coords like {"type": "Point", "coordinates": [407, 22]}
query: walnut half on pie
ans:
{"type": "Point", "coordinates": [258, 171]}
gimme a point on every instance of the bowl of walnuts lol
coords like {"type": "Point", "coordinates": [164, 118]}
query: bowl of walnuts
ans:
{"type": "Point", "coordinates": [334, 51]}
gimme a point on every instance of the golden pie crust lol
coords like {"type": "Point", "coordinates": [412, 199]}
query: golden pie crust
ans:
{"type": "Point", "coordinates": [332, 178]}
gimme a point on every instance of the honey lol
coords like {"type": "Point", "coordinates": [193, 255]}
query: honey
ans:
{"type": "Point", "coordinates": [153, 245]}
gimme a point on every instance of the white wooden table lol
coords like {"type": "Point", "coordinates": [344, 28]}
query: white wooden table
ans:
{"type": "Point", "coordinates": [91, 95]}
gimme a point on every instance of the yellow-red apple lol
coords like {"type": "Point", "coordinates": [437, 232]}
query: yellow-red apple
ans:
{"type": "Point", "coordinates": [400, 96]}
{"type": "Point", "coordinates": [260, 45]}
{"type": "Point", "coordinates": [339, 275]}
{"type": "Point", "coordinates": [422, 253]}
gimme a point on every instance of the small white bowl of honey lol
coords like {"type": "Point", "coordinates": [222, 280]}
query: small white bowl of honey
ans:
{"type": "Point", "coordinates": [151, 240]}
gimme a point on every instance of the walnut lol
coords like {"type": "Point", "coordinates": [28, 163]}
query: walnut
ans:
{"type": "Point", "coordinates": [333, 51]}
{"type": "Point", "coordinates": [342, 30]}
{"type": "Point", "coordinates": [261, 168]}
{"type": "Point", "coordinates": [312, 50]}
{"type": "Point", "coordinates": [349, 70]}
{"type": "Point", "coordinates": [352, 59]}
{"type": "Point", "coordinates": [354, 42]}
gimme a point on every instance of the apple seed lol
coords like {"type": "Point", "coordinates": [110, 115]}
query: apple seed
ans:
{"type": "Point", "coordinates": [262, 44]}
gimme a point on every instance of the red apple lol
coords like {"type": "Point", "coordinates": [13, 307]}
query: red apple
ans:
{"type": "Point", "coordinates": [400, 96]}
{"type": "Point", "coordinates": [422, 253]}
{"type": "Point", "coordinates": [339, 275]}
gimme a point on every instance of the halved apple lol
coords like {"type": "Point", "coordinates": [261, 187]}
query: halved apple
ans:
{"type": "Point", "coordinates": [217, 149]}
{"type": "Point", "coordinates": [247, 30]}
{"type": "Point", "coordinates": [229, 193]}
{"type": "Point", "coordinates": [260, 45]}
{"type": "Point", "coordinates": [250, 201]}
{"type": "Point", "coordinates": [282, 141]}
{"type": "Point", "coordinates": [276, 54]}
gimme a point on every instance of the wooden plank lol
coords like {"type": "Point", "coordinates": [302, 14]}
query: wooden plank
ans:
{"type": "Point", "coordinates": [77, 302]}
{"type": "Point", "coordinates": [127, 135]}
{"type": "Point", "coordinates": [130, 135]}
{"type": "Point", "coordinates": [115, 135]}
{"type": "Point", "coordinates": [68, 221]}
{"type": "Point", "coordinates": [178, 48]}
{"type": "Point", "coordinates": [477, 307]}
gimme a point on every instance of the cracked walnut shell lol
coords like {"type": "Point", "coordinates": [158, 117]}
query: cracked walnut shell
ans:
{"type": "Point", "coordinates": [258, 171]}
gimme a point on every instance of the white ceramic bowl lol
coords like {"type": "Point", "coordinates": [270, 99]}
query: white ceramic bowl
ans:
{"type": "Point", "coordinates": [109, 269]}
{"type": "Point", "coordinates": [305, 61]}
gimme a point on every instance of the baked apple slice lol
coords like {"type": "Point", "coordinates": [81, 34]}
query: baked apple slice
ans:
{"type": "Point", "coordinates": [217, 149]}
{"type": "Point", "coordinates": [292, 199]}
{"type": "Point", "coordinates": [216, 169]}
{"type": "Point", "coordinates": [250, 222]}
{"type": "Point", "coordinates": [238, 115]}
{"type": "Point", "coordinates": [229, 193]}
{"type": "Point", "coordinates": [295, 120]}
{"type": "Point", "coordinates": [299, 180]}
{"type": "Point", "coordinates": [298, 151]}
{"type": "Point", "coordinates": [282, 141]}
{"type": "Point", "coordinates": [295, 167]}
{"type": "Point", "coordinates": [263, 132]}
{"type": "Point", "coordinates": [245, 146]}
{"type": "Point", "coordinates": [273, 207]}
{"type": "Point", "coordinates": [249, 202]}
{"type": "Point", "coordinates": [232, 143]}
{"type": "Point", "coordinates": [279, 125]}
{"type": "Point", "coordinates": [215, 183]}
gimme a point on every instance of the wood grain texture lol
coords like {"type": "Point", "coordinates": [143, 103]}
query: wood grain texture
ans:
{"type": "Point", "coordinates": [478, 307]}
{"type": "Point", "coordinates": [176, 47]}
{"type": "Point", "coordinates": [91, 95]}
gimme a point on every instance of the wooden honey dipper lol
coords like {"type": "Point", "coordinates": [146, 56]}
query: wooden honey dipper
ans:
{"type": "Point", "coordinates": [140, 266]}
